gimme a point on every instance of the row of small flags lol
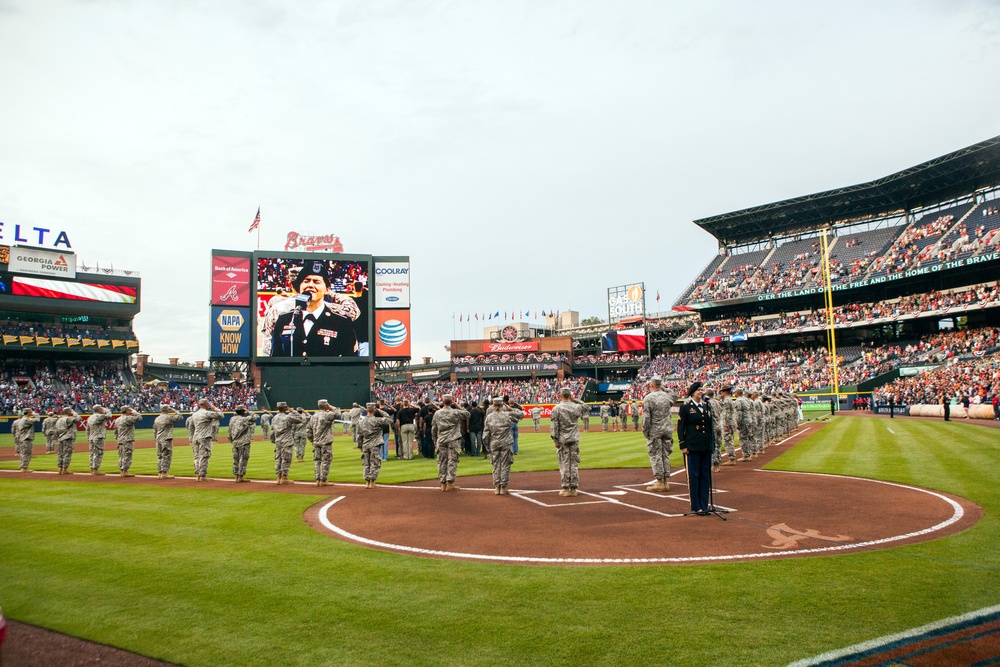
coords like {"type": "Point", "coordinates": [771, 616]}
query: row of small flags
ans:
{"type": "Point", "coordinates": [514, 316]}
{"type": "Point", "coordinates": [69, 342]}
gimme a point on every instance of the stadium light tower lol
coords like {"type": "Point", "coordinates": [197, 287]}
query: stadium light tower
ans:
{"type": "Point", "coordinates": [831, 338]}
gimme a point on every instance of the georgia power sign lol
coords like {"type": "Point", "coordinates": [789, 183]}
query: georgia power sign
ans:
{"type": "Point", "coordinates": [42, 262]}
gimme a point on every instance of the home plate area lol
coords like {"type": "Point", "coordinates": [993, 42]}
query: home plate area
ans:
{"type": "Point", "coordinates": [614, 520]}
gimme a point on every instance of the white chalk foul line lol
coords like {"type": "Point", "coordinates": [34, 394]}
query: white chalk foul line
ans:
{"type": "Point", "coordinates": [912, 633]}
{"type": "Point", "coordinates": [957, 514]}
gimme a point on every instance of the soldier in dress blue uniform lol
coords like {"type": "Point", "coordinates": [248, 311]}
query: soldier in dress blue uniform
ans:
{"type": "Point", "coordinates": [695, 435]}
{"type": "Point", "coordinates": [313, 328]}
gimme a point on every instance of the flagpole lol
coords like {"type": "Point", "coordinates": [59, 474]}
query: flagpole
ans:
{"type": "Point", "coordinates": [258, 229]}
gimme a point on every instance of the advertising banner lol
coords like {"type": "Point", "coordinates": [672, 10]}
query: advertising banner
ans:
{"type": "Point", "coordinates": [392, 334]}
{"type": "Point", "coordinates": [505, 368]}
{"type": "Point", "coordinates": [230, 333]}
{"type": "Point", "coordinates": [501, 347]}
{"type": "Point", "coordinates": [43, 262]}
{"type": "Point", "coordinates": [392, 284]}
{"type": "Point", "coordinates": [230, 281]}
{"type": "Point", "coordinates": [626, 301]}
{"type": "Point", "coordinates": [63, 289]}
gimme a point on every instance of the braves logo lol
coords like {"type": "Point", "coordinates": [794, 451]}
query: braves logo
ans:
{"type": "Point", "coordinates": [789, 538]}
{"type": "Point", "coordinates": [231, 295]}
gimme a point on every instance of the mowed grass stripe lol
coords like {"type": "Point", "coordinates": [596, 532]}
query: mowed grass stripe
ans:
{"type": "Point", "coordinates": [230, 577]}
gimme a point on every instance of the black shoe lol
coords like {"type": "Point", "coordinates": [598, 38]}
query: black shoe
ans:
{"type": "Point", "coordinates": [703, 512]}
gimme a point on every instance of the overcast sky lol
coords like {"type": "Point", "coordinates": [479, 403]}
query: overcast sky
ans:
{"type": "Point", "coordinates": [525, 155]}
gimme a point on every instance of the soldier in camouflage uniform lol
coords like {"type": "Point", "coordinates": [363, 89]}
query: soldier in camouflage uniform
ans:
{"type": "Point", "coordinates": [265, 424]}
{"type": "Point", "coordinates": [566, 436]}
{"type": "Point", "coordinates": [241, 427]}
{"type": "Point", "coordinates": [321, 426]}
{"type": "Point", "coordinates": [586, 421]}
{"type": "Point", "coordinates": [163, 431]}
{"type": "Point", "coordinates": [743, 411]}
{"type": "Point", "coordinates": [623, 416]}
{"type": "Point", "coordinates": [204, 421]}
{"type": "Point", "coordinates": [605, 413]}
{"type": "Point", "coordinates": [96, 434]}
{"type": "Point", "coordinates": [369, 431]}
{"type": "Point", "coordinates": [758, 424]}
{"type": "Point", "coordinates": [189, 425]}
{"type": "Point", "coordinates": [125, 435]}
{"type": "Point", "coordinates": [300, 436]}
{"type": "Point", "coordinates": [49, 429]}
{"type": "Point", "coordinates": [636, 412]}
{"type": "Point", "coordinates": [23, 430]}
{"type": "Point", "coordinates": [354, 415]}
{"type": "Point", "coordinates": [727, 420]}
{"type": "Point", "coordinates": [658, 430]}
{"type": "Point", "coordinates": [446, 432]}
{"type": "Point", "coordinates": [498, 440]}
{"type": "Point", "coordinates": [283, 437]}
{"type": "Point", "coordinates": [66, 439]}
{"type": "Point", "coordinates": [716, 407]}
{"type": "Point", "coordinates": [536, 417]}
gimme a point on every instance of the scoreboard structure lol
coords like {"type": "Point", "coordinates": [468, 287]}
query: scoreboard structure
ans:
{"type": "Point", "coordinates": [309, 325]}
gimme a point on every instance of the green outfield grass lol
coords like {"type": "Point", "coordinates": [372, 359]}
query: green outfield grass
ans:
{"type": "Point", "coordinates": [203, 577]}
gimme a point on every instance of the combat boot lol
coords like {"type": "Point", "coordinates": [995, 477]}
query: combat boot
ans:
{"type": "Point", "coordinates": [318, 483]}
{"type": "Point", "coordinates": [444, 486]}
{"type": "Point", "coordinates": [166, 475]}
{"type": "Point", "coordinates": [730, 462]}
{"type": "Point", "coordinates": [278, 480]}
{"type": "Point", "coordinates": [504, 491]}
{"type": "Point", "coordinates": [716, 468]}
{"type": "Point", "coordinates": [96, 473]}
{"type": "Point", "coordinates": [451, 487]}
{"type": "Point", "coordinates": [657, 486]}
{"type": "Point", "coordinates": [572, 492]}
{"type": "Point", "coordinates": [565, 492]}
{"type": "Point", "coordinates": [498, 491]}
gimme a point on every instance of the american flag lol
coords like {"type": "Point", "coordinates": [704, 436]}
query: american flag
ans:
{"type": "Point", "coordinates": [256, 221]}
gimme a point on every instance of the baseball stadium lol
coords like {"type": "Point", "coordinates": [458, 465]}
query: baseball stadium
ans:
{"type": "Point", "coordinates": [325, 498]}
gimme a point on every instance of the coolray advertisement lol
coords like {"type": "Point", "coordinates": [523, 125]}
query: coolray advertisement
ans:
{"type": "Point", "coordinates": [312, 306]}
{"type": "Point", "coordinates": [392, 284]}
{"type": "Point", "coordinates": [392, 334]}
{"type": "Point", "coordinates": [230, 280]}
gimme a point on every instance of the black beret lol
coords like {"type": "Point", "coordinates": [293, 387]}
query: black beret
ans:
{"type": "Point", "coordinates": [314, 268]}
{"type": "Point", "coordinates": [693, 388]}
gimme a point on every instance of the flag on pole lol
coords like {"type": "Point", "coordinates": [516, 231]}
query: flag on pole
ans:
{"type": "Point", "coordinates": [460, 317]}
{"type": "Point", "coordinates": [657, 296]}
{"type": "Point", "coordinates": [256, 222]}
{"type": "Point", "coordinates": [496, 314]}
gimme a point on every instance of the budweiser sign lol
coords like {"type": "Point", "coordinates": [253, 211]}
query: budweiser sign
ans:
{"type": "Point", "coordinates": [329, 242]}
{"type": "Point", "coordinates": [498, 347]}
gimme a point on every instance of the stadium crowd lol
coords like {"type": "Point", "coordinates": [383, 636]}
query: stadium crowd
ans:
{"type": "Point", "coordinates": [920, 244]}
{"type": "Point", "coordinates": [108, 383]}
{"type": "Point", "coordinates": [523, 392]}
{"type": "Point", "coordinates": [982, 295]}
{"type": "Point", "coordinates": [13, 328]}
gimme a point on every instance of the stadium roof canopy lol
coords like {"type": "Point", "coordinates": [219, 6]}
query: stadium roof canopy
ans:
{"type": "Point", "coordinates": [939, 180]}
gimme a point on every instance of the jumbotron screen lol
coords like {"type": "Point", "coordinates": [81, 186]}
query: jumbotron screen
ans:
{"type": "Point", "coordinates": [315, 307]}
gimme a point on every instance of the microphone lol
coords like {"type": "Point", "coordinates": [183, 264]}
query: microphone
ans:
{"type": "Point", "coordinates": [301, 301]}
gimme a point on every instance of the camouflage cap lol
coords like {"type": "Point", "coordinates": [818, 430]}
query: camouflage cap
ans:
{"type": "Point", "coordinates": [96, 408]}
{"type": "Point", "coordinates": [371, 406]}
{"type": "Point", "coordinates": [281, 404]}
{"type": "Point", "coordinates": [67, 410]}
{"type": "Point", "coordinates": [322, 403]}
{"type": "Point", "coordinates": [164, 408]}
{"type": "Point", "coordinates": [497, 400]}
{"type": "Point", "coordinates": [447, 398]}
{"type": "Point", "coordinates": [656, 380]}
{"type": "Point", "coordinates": [566, 392]}
{"type": "Point", "coordinates": [124, 408]}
